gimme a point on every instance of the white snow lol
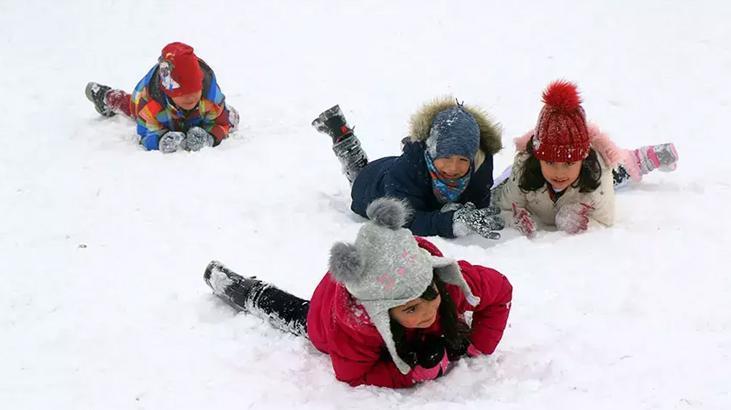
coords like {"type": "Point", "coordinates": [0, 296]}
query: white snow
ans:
{"type": "Point", "coordinates": [103, 245]}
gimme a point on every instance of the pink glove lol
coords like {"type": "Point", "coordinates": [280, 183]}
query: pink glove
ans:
{"type": "Point", "coordinates": [472, 351]}
{"type": "Point", "coordinates": [420, 374]}
{"type": "Point", "coordinates": [573, 218]}
{"type": "Point", "coordinates": [523, 221]}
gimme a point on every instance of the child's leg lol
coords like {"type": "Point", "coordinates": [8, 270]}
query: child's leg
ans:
{"type": "Point", "coordinates": [107, 101]}
{"type": "Point", "coordinates": [118, 101]}
{"type": "Point", "coordinates": [621, 176]}
{"type": "Point", "coordinates": [643, 160]}
{"type": "Point", "coordinates": [283, 310]}
{"type": "Point", "coordinates": [346, 145]}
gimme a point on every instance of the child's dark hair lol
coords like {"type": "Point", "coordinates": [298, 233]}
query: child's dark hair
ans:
{"type": "Point", "coordinates": [455, 332]}
{"type": "Point", "coordinates": [532, 178]}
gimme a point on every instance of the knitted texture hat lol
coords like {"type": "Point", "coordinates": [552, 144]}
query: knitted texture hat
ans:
{"type": "Point", "coordinates": [385, 268]}
{"type": "Point", "coordinates": [561, 134]}
{"type": "Point", "coordinates": [453, 131]}
{"type": "Point", "coordinates": [179, 70]}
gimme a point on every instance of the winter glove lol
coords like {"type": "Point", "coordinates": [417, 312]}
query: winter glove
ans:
{"type": "Point", "coordinates": [197, 138]}
{"type": "Point", "coordinates": [573, 218]}
{"type": "Point", "coordinates": [483, 221]}
{"type": "Point", "coordinates": [171, 141]}
{"type": "Point", "coordinates": [430, 351]}
{"type": "Point", "coordinates": [472, 351]}
{"type": "Point", "coordinates": [523, 221]}
{"type": "Point", "coordinates": [431, 359]}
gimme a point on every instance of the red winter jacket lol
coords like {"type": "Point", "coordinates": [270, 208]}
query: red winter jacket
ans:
{"type": "Point", "coordinates": [339, 326]}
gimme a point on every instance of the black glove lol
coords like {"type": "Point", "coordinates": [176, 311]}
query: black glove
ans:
{"type": "Point", "coordinates": [430, 351]}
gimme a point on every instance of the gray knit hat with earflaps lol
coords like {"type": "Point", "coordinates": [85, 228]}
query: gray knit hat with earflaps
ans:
{"type": "Point", "coordinates": [385, 268]}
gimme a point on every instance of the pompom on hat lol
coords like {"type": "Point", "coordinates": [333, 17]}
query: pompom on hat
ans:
{"type": "Point", "coordinates": [561, 134]}
{"type": "Point", "coordinates": [385, 268]}
{"type": "Point", "coordinates": [179, 70]}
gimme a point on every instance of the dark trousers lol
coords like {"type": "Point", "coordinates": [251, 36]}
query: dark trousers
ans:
{"type": "Point", "coordinates": [620, 176]}
{"type": "Point", "coordinates": [283, 310]}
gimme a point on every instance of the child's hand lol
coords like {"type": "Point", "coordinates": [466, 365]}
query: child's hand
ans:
{"type": "Point", "coordinates": [197, 138]}
{"type": "Point", "coordinates": [431, 358]}
{"type": "Point", "coordinates": [483, 221]}
{"type": "Point", "coordinates": [523, 221]}
{"type": "Point", "coordinates": [573, 218]}
{"type": "Point", "coordinates": [472, 351]}
{"type": "Point", "coordinates": [170, 142]}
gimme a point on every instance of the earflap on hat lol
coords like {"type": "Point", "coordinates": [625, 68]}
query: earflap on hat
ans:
{"type": "Point", "coordinates": [382, 321]}
{"type": "Point", "coordinates": [449, 272]}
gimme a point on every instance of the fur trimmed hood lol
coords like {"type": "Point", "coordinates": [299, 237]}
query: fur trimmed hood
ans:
{"type": "Point", "coordinates": [421, 121]}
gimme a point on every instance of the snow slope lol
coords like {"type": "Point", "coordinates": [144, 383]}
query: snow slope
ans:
{"type": "Point", "coordinates": [103, 245]}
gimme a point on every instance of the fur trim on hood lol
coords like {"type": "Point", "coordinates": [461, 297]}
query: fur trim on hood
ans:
{"type": "Point", "coordinates": [421, 121]}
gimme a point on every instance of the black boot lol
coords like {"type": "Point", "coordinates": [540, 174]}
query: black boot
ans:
{"type": "Point", "coordinates": [332, 122]}
{"type": "Point", "coordinates": [351, 156]}
{"type": "Point", "coordinates": [345, 144]}
{"type": "Point", "coordinates": [96, 93]}
{"type": "Point", "coordinates": [238, 291]}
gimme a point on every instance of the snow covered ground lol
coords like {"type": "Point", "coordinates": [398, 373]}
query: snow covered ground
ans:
{"type": "Point", "coordinates": [103, 245]}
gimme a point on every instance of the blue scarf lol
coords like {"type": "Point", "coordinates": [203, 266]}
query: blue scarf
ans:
{"type": "Point", "coordinates": [446, 189]}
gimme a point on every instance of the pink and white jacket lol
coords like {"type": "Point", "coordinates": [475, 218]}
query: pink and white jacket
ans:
{"type": "Point", "coordinates": [539, 202]}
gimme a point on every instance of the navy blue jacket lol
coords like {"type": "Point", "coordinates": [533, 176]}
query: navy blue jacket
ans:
{"type": "Point", "coordinates": [407, 177]}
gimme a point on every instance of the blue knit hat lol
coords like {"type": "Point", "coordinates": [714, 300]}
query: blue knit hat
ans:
{"type": "Point", "coordinates": [453, 132]}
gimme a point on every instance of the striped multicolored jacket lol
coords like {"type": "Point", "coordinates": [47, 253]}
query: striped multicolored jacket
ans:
{"type": "Point", "coordinates": [156, 114]}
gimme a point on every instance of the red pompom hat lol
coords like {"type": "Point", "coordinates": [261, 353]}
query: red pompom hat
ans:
{"type": "Point", "coordinates": [561, 134]}
{"type": "Point", "coordinates": [179, 70]}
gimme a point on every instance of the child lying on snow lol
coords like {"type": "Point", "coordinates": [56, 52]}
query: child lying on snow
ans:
{"type": "Point", "coordinates": [177, 105]}
{"type": "Point", "coordinates": [557, 176]}
{"type": "Point", "coordinates": [390, 310]}
{"type": "Point", "coordinates": [444, 171]}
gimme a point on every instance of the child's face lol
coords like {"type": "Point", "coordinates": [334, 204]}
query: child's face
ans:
{"type": "Point", "coordinates": [560, 174]}
{"type": "Point", "coordinates": [418, 313]}
{"type": "Point", "coordinates": [188, 101]}
{"type": "Point", "coordinates": [454, 166]}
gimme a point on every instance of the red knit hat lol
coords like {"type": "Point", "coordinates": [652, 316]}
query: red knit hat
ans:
{"type": "Point", "coordinates": [561, 134]}
{"type": "Point", "coordinates": [179, 70]}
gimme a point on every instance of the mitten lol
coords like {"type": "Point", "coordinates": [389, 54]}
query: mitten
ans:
{"type": "Point", "coordinates": [171, 141]}
{"type": "Point", "coordinates": [420, 373]}
{"type": "Point", "coordinates": [483, 221]}
{"type": "Point", "coordinates": [430, 351]}
{"type": "Point", "coordinates": [472, 351]}
{"type": "Point", "coordinates": [523, 221]}
{"type": "Point", "coordinates": [197, 138]}
{"type": "Point", "coordinates": [573, 218]}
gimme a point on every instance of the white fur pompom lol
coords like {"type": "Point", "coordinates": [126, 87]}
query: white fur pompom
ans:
{"type": "Point", "coordinates": [389, 212]}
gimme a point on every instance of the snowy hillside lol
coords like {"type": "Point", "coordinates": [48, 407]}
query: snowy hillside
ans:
{"type": "Point", "coordinates": [103, 245]}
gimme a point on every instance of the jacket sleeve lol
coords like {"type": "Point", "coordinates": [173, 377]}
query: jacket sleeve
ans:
{"type": "Point", "coordinates": [509, 191]}
{"type": "Point", "coordinates": [148, 127]}
{"type": "Point", "coordinates": [403, 181]}
{"type": "Point", "coordinates": [491, 314]}
{"type": "Point", "coordinates": [215, 121]}
{"type": "Point", "coordinates": [357, 362]}
{"type": "Point", "coordinates": [602, 199]}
